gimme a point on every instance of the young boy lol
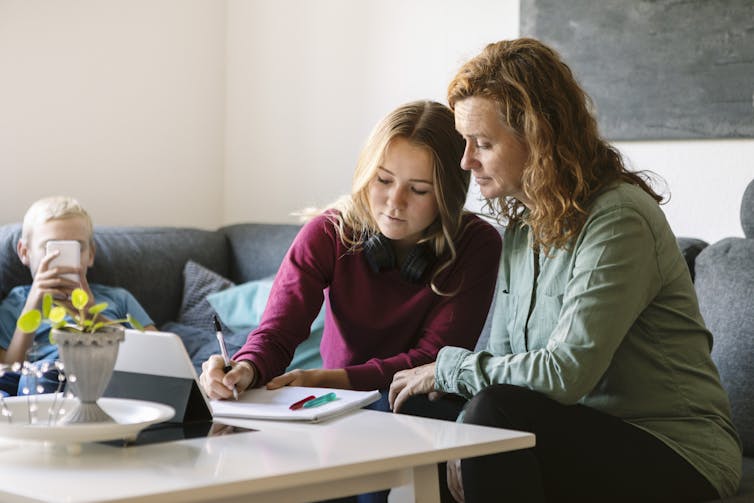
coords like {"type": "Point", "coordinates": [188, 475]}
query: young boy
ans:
{"type": "Point", "coordinates": [52, 219]}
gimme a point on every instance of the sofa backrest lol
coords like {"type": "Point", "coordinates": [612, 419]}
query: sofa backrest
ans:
{"type": "Point", "coordinates": [256, 250]}
{"type": "Point", "coordinates": [12, 271]}
{"type": "Point", "coordinates": [149, 262]}
{"type": "Point", "coordinates": [725, 287]}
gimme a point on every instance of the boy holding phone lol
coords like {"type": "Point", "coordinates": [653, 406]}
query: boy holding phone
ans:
{"type": "Point", "coordinates": [57, 245]}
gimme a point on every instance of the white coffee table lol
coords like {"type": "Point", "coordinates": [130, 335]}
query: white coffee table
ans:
{"type": "Point", "coordinates": [360, 452]}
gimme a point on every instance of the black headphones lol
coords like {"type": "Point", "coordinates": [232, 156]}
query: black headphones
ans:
{"type": "Point", "coordinates": [380, 255]}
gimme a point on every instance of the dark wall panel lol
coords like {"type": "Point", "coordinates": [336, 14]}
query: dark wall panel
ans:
{"type": "Point", "coordinates": [663, 69]}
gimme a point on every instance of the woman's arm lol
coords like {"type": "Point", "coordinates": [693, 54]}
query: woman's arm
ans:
{"type": "Point", "coordinates": [614, 277]}
{"type": "Point", "coordinates": [295, 300]}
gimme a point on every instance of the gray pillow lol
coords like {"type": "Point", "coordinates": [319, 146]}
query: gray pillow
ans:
{"type": "Point", "coordinates": [724, 282]}
{"type": "Point", "coordinates": [193, 338]}
{"type": "Point", "coordinates": [198, 282]}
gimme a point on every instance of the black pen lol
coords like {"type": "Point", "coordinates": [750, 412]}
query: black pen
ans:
{"type": "Point", "coordinates": [223, 350]}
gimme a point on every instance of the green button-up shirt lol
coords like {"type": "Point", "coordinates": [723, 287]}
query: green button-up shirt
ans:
{"type": "Point", "coordinates": [613, 323]}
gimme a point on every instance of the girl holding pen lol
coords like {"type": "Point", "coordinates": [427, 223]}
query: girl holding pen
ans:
{"type": "Point", "coordinates": [402, 269]}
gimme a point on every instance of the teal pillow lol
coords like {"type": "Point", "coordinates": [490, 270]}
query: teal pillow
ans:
{"type": "Point", "coordinates": [241, 307]}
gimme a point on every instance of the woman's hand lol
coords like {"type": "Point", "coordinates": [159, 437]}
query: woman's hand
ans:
{"type": "Point", "coordinates": [219, 385]}
{"type": "Point", "coordinates": [409, 382]}
{"type": "Point", "coordinates": [314, 378]}
{"type": "Point", "coordinates": [455, 482]}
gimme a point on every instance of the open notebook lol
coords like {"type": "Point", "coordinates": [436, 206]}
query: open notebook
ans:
{"type": "Point", "coordinates": [154, 366]}
{"type": "Point", "coordinates": [261, 403]}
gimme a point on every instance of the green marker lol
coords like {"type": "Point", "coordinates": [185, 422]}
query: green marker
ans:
{"type": "Point", "coordinates": [320, 400]}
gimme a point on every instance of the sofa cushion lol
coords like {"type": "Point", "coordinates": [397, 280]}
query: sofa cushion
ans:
{"type": "Point", "coordinates": [12, 271]}
{"type": "Point", "coordinates": [198, 283]}
{"type": "Point", "coordinates": [149, 262]}
{"type": "Point", "coordinates": [724, 282]}
{"type": "Point", "coordinates": [690, 248]}
{"type": "Point", "coordinates": [256, 250]}
{"type": "Point", "coordinates": [241, 307]}
{"type": "Point", "coordinates": [747, 211]}
{"type": "Point", "coordinates": [747, 479]}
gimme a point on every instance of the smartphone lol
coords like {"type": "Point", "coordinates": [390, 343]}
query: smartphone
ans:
{"type": "Point", "coordinates": [69, 256]}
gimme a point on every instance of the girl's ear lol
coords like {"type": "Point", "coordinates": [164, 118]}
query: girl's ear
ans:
{"type": "Point", "coordinates": [23, 252]}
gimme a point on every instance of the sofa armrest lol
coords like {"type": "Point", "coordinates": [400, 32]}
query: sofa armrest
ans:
{"type": "Point", "coordinates": [690, 248]}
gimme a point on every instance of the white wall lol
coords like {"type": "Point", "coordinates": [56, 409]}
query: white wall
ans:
{"type": "Point", "coordinates": [705, 179]}
{"type": "Point", "coordinates": [206, 112]}
{"type": "Point", "coordinates": [308, 80]}
{"type": "Point", "coordinates": [120, 103]}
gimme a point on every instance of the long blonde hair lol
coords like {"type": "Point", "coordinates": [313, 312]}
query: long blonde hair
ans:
{"type": "Point", "coordinates": [569, 163]}
{"type": "Point", "coordinates": [429, 125]}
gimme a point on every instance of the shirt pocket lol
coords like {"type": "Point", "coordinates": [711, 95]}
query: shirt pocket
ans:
{"type": "Point", "coordinates": [552, 290]}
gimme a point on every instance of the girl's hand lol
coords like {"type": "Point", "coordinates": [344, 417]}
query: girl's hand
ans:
{"type": "Point", "coordinates": [313, 378]}
{"type": "Point", "coordinates": [409, 382]}
{"type": "Point", "coordinates": [219, 385]}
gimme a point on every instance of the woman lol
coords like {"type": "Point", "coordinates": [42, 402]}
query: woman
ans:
{"type": "Point", "coordinates": [403, 270]}
{"type": "Point", "coordinates": [597, 344]}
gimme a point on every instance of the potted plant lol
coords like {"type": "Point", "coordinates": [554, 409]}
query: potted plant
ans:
{"type": "Point", "coordinates": [88, 347]}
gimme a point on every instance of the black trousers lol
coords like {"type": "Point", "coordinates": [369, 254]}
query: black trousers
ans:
{"type": "Point", "coordinates": [581, 454]}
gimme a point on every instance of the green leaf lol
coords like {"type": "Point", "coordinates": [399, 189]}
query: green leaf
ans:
{"type": "Point", "coordinates": [29, 322]}
{"type": "Point", "coordinates": [46, 305]}
{"type": "Point", "coordinates": [56, 314]}
{"type": "Point", "coordinates": [79, 298]}
{"type": "Point", "coordinates": [135, 323]}
{"type": "Point", "coordinates": [98, 308]}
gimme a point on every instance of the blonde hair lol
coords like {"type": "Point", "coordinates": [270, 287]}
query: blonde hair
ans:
{"type": "Point", "coordinates": [53, 208]}
{"type": "Point", "coordinates": [429, 125]}
{"type": "Point", "coordinates": [569, 164]}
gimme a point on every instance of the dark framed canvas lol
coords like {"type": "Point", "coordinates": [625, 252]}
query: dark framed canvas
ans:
{"type": "Point", "coordinates": [660, 69]}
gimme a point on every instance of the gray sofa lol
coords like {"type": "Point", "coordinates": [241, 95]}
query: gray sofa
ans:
{"type": "Point", "coordinates": [725, 286]}
{"type": "Point", "coordinates": [151, 261]}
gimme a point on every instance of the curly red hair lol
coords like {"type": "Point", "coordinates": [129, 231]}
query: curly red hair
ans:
{"type": "Point", "coordinates": [569, 163]}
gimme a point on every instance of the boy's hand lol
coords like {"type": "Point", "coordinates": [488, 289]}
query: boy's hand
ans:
{"type": "Point", "coordinates": [50, 280]}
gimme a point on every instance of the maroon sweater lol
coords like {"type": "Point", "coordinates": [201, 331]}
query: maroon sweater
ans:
{"type": "Point", "coordinates": [375, 323]}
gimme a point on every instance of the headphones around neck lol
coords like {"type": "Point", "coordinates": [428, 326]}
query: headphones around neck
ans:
{"type": "Point", "coordinates": [380, 255]}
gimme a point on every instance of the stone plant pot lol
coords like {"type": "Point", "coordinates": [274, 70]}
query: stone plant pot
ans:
{"type": "Point", "coordinates": [88, 361]}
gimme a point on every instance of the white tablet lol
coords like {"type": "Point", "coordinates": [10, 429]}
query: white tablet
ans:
{"type": "Point", "coordinates": [155, 366]}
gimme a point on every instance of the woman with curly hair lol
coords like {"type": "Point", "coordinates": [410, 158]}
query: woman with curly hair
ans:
{"type": "Point", "coordinates": [597, 344]}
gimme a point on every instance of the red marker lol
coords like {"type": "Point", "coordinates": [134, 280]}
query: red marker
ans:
{"type": "Point", "coordinates": [301, 403]}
